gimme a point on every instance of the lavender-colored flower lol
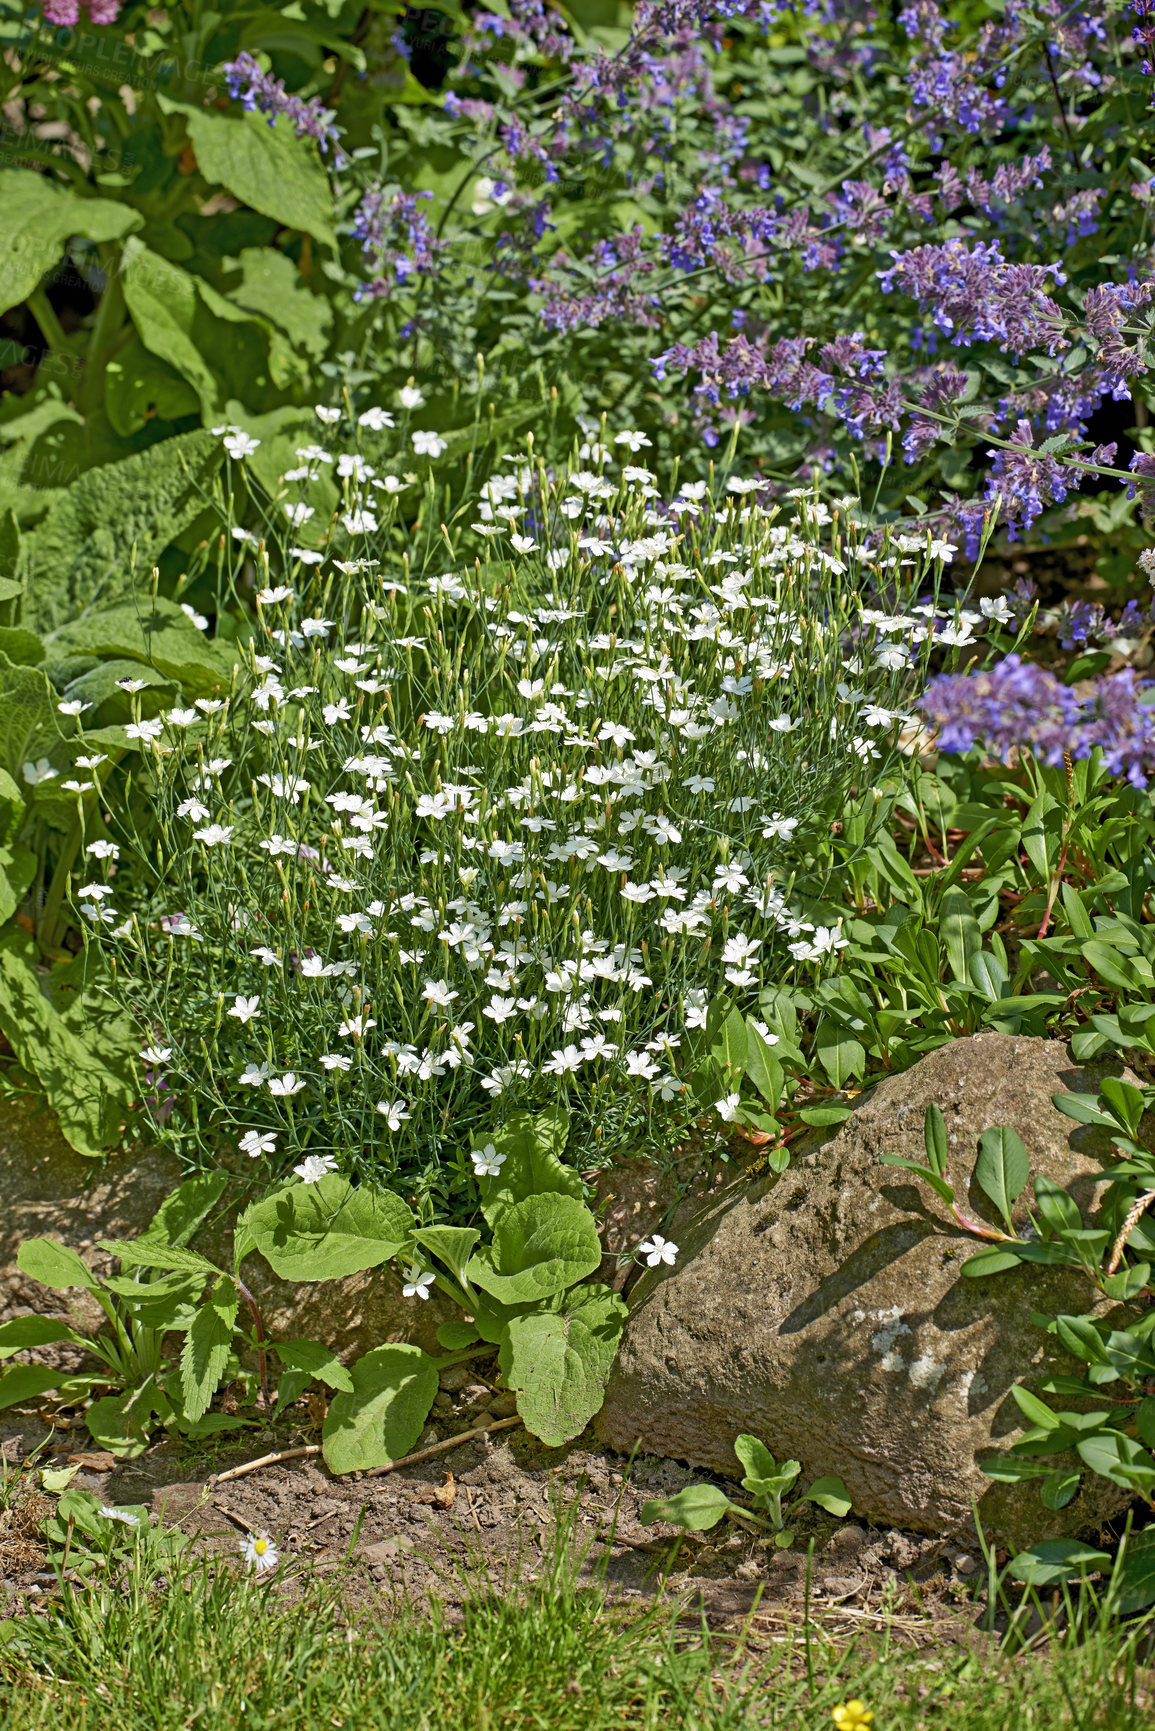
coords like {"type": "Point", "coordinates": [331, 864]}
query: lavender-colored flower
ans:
{"type": "Point", "coordinates": [261, 91]}
{"type": "Point", "coordinates": [1017, 706]}
{"type": "Point", "coordinates": [1025, 481]}
{"type": "Point", "coordinates": [974, 295]}
{"type": "Point", "coordinates": [396, 234]}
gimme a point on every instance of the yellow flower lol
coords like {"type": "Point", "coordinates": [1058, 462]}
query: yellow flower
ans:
{"type": "Point", "coordinates": [852, 1716]}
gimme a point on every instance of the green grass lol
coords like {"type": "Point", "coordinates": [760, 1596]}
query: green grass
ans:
{"type": "Point", "coordinates": [217, 1652]}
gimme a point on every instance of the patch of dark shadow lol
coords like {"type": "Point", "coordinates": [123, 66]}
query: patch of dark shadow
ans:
{"type": "Point", "coordinates": [878, 1252]}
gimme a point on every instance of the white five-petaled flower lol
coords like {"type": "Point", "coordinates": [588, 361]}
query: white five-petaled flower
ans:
{"type": "Point", "coordinates": [487, 1162]}
{"type": "Point", "coordinates": [394, 1113]}
{"type": "Point", "coordinates": [727, 1108]}
{"type": "Point", "coordinates": [214, 834]}
{"type": "Point", "coordinates": [657, 1250]}
{"type": "Point", "coordinates": [255, 1142]}
{"type": "Point", "coordinates": [238, 444]}
{"type": "Point", "coordinates": [259, 1551]}
{"type": "Point", "coordinates": [410, 397]}
{"type": "Point", "coordinates": [156, 1055]}
{"type": "Point", "coordinates": [314, 1167]}
{"type": "Point", "coordinates": [428, 444]}
{"type": "Point", "coordinates": [39, 771]}
{"type": "Point", "coordinates": [417, 1283]}
{"type": "Point", "coordinates": [285, 1086]}
{"type": "Point", "coordinates": [245, 1009]}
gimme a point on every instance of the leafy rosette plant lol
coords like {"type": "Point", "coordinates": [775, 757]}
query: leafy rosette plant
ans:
{"type": "Point", "coordinates": [523, 1286]}
{"type": "Point", "coordinates": [700, 1507]}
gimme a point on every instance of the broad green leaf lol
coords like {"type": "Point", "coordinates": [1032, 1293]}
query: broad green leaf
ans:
{"type": "Point", "coordinates": [180, 1214]}
{"type": "Point", "coordinates": [990, 1262]}
{"type": "Point", "coordinates": [393, 1389]}
{"type": "Point", "coordinates": [763, 1068]}
{"type": "Point", "coordinates": [115, 1424]}
{"type": "Point", "coordinates": [326, 1230]}
{"type": "Point", "coordinates": [101, 537]}
{"type": "Point", "coordinates": [841, 1055]}
{"type": "Point", "coordinates": [1134, 1581]}
{"type": "Point", "coordinates": [28, 1331]}
{"type": "Point", "coordinates": [1056, 1560]}
{"type": "Point", "coordinates": [317, 1360]}
{"type": "Point", "coordinates": [729, 1045]}
{"type": "Point", "coordinates": [207, 1346]}
{"type": "Point", "coordinates": [1060, 1212]}
{"type": "Point", "coordinates": [39, 217]}
{"type": "Point", "coordinates": [26, 1381]}
{"type": "Point", "coordinates": [1124, 1099]}
{"type": "Point", "coordinates": [822, 1117]}
{"type": "Point", "coordinates": [1002, 1168]}
{"type": "Point", "coordinates": [1033, 1408]}
{"type": "Point", "coordinates": [532, 1144]}
{"type": "Point", "coordinates": [453, 1245]}
{"type": "Point", "coordinates": [1059, 1488]}
{"type": "Point", "coordinates": [455, 1336]}
{"type": "Point", "coordinates": [140, 387]}
{"type": "Point", "coordinates": [830, 1494]}
{"type": "Point", "coordinates": [29, 728]}
{"type": "Point", "coordinates": [557, 1362]}
{"type": "Point", "coordinates": [54, 1265]}
{"type": "Point", "coordinates": [1124, 973]}
{"type": "Point", "coordinates": [755, 1457]}
{"type": "Point", "coordinates": [156, 633]}
{"type": "Point", "coordinates": [273, 286]}
{"type": "Point", "coordinates": [1081, 1339]}
{"type": "Point", "coordinates": [147, 1253]}
{"type": "Point", "coordinates": [54, 1480]}
{"type": "Point", "coordinates": [934, 1139]}
{"type": "Point", "coordinates": [1120, 1459]}
{"type": "Point", "coordinates": [1084, 1108]}
{"type": "Point", "coordinates": [540, 1246]}
{"type": "Point", "coordinates": [266, 167]}
{"type": "Point", "coordinates": [989, 975]}
{"type": "Point", "coordinates": [961, 936]}
{"type": "Point", "coordinates": [698, 1508]}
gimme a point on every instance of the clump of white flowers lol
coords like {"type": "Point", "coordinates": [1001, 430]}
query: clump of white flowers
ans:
{"type": "Point", "coordinates": [491, 815]}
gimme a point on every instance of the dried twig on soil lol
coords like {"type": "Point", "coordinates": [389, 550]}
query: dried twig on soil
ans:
{"type": "Point", "coordinates": [451, 1442]}
{"type": "Point", "coordinates": [215, 1479]}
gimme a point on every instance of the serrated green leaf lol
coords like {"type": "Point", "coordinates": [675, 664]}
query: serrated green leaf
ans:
{"type": "Point", "coordinates": [207, 1347]}
{"type": "Point", "coordinates": [191, 1202]}
{"type": "Point", "coordinates": [393, 1389]}
{"type": "Point", "coordinates": [327, 1230]}
{"type": "Point", "coordinates": [145, 1253]}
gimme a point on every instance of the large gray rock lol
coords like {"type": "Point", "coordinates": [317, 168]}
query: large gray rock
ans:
{"type": "Point", "coordinates": [49, 1191]}
{"type": "Point", "coordinates": [824, 1311]}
